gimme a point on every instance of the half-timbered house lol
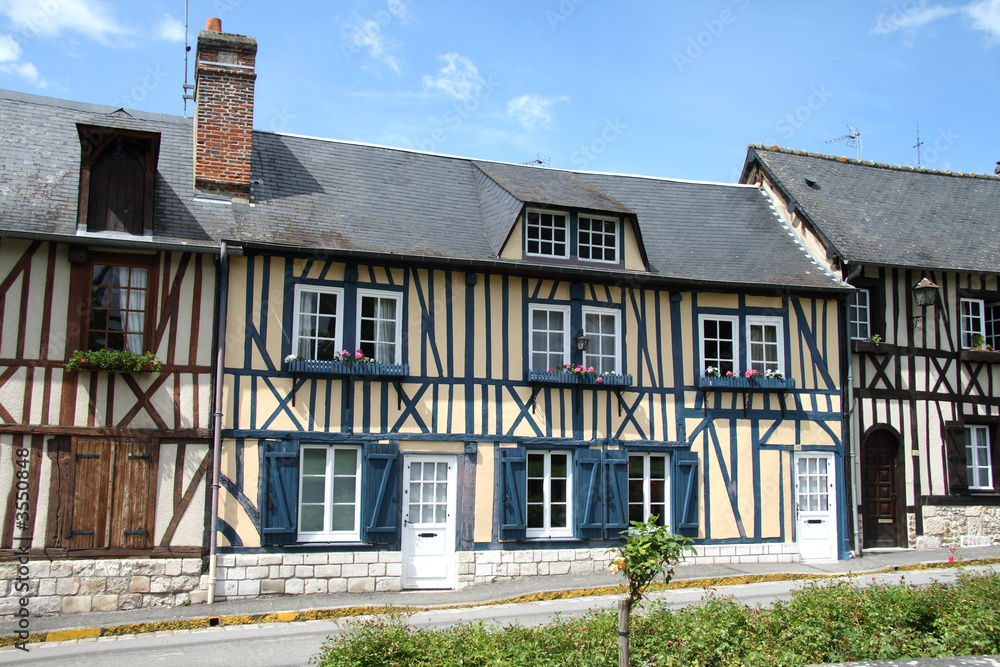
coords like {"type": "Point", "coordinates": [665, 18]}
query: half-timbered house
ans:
{"type": "Point", "coordinates": [922, 247]}
{"type": "Point", "coordinates": [109, 233]}
{"type": "Point", "coordinates": [441, 371]}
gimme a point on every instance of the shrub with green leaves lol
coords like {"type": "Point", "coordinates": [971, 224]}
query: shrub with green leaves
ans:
{"type": "Point", "coordinates": [649, 550]}
{"type": "Point", "coordinates": [836, 622]}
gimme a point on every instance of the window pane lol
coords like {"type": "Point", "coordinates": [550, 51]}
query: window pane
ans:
{"type": "Point", "coordinates": [314, 462]}
{"type": "Point", "coordinates": [313, 490]}
{"type": "Point", "coordinates": [343, 518]}
{"type": "Point", "coordinates": [311, 518]}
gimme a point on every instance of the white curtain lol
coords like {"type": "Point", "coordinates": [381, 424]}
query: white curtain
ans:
{"type": "Point", "coordinates": [133, 281]}
{"type": "Point", "coordinates": [385, 332]}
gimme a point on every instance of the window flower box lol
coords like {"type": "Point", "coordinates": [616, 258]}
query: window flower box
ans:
{"type": "Point", "coordinates": [873, 347]}
{"type": "Point", "coordinates": [988, 356]}
{"type": "Point", "coordinates": [114, 361]}
{"type": "Point", "coordinates": [745, 384]}
{"type": "Point", "coordinates": [572, 379]}
{"type": "Point", "coordinates": [327, 368]}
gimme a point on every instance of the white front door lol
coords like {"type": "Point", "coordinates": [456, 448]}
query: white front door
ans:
{"type": "Point", "coordinates": [429, 521]}
{"type": "Point", "coordinates": [815, 507]}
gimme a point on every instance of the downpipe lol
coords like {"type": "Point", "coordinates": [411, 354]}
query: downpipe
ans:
{"type": "Point", "coordinates": [220, 351]}
{"type": "Point", "coordinates": [852, 419]}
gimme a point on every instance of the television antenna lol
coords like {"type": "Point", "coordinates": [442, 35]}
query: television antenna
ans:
{"type": "Point", "coordinates": [542, 160]}
{"type": "Point", "coordinates": [188, 88]}
{"type": "Point", "coordinates": [918, 145]}
{"type": "Point", "coordinates": [853, 139]}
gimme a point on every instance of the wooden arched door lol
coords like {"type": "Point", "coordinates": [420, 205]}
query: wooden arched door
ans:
{"type": "Point", "coordinates": [881, 495]}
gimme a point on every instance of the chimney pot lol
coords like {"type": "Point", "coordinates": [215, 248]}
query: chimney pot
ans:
{"type": "Point", "coordinates": [213, 25]}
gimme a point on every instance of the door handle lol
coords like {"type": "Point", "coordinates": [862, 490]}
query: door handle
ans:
{"type": "Point", "coordinates": [427, 535]}
{"type": "Point", "coordinates": [814, 521]}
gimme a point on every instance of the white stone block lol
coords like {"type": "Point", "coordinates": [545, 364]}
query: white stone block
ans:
{"type": "Point", "coordinates": [286, 571]}
{"type": "Point", "coordinates": [726, 550]}
{"type": "Point", "coordinates": [258, 572]}
{"type": "Point", "coordinates": [529, 570]}
{"type": "Point", "coordinates": [581, 567]}
{"type": "Point", "coordinates": [250, 588]}
{"type": "Point", "coordinates": [226, 589]}
{"type": "Point", "coordinates": [354, 570]}
{"type": "Point", "coordinates": [337, 585]}
{"type": "Point", "coordinates": [756, 549]}
{"type": "Point", "coordinates": [769, 558]}
{"type": "Point", "coordinates": [292, 559]}
{"type": "Point", "coordinates": [488, 557]}
{"type": "Point", "coordinates": [294, 587]}
{"type": "Point", "coordinates": [340, 557]}
{"type": "Point", "coordinates": [366, 557]}
{"type": "Point", "coordinates": [506, 556]}
{"type": "Point", "coordinates": [394, 570]}
{"type": "Point", "coordinates": [386, 584]}
{"type": "Point", "coordinates": [561, 567]}
{"type": "Point", "coordinates": [361, 585]}
{"type": "Point", "coordinates": [524, 556]}
{"type": "Point", "coordinates": [235, 573]}
{"type": "Point", "coordinates": [327, 571]}
{"type": "Point", "coordinates": [394, 556]}
{"type": "Point", "coordinates": [742, 549]}
{"type": "Point", "coordinates": [227, 560]}
{"type": "Point", "coordinates": [749, 559]}
{"type": "Point", "coordinates": [315, 558]}
{"type": "Point", "coordinates": [246, 560]}
{"type": "Point", "coordinates": [304, 571]}
{"type": "Point", "coordinates": [315, 586]}
{"type": "Point", "coordinates": [269, 559]}
{"type": "Point", "coordinates": [378, 569]}
{"type": "Point", "coordinates": [191, 566]}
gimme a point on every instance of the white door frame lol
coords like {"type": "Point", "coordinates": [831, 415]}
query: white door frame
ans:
{"type": "Point", "coordinates": [428, 546]}
{"type": "Point", "coordinates": [815, 507]}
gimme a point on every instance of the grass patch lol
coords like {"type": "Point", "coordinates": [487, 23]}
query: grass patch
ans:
{"type": "Point", "coordinates": [823, 622]}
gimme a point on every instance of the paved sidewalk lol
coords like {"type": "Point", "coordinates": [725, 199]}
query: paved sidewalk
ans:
{"type": "Point", "coordinates": [304, 607]}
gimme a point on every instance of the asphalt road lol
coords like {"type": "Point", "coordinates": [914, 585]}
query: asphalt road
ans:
{"type": "Point", "coordinates": [279, 644]}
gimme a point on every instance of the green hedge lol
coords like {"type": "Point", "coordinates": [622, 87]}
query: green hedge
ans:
{"type": "Point", "coordinates": [837, 622]}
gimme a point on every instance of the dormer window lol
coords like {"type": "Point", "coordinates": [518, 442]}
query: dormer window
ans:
{"type": "Point", "coordinates": [572, 236]}
{"type": "Point", "coordinates": [547, 234]}
{"type": "Point", "coordinates": [598, 239]}
{"type": "Point", "coordinates": [117, 171]}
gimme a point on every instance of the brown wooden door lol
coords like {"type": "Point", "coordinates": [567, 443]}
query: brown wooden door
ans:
{"type": "Point", "coordinates": [880, 507]}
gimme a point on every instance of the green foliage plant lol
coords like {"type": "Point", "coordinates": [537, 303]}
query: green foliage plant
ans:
{"type": "Point", "coordinates": [649, 551]}
{"type": "Point", "coordinates": [116, 361]}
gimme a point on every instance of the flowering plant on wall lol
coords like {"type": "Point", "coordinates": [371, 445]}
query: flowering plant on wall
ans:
{"type": "Point", "coordinates": [121, 361]}
{"type": "Point", "coordinates": [575, 370]}
{"type": "Point", "coordinates": [713, 372]}
{"type": "Point", "coordinates": [735, 373]}
{"type": "Point", "coordinates": [753, 375]}
{"type": "Point", "coordinates": [358, 357]}
{"type": "Point", "coordinates": [774, 375]}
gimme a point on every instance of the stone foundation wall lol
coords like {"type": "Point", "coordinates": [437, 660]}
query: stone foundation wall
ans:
{"type": "Point", "coordinates": [74, 586]}
{"type": "Point", "coordinates": [959, 527]}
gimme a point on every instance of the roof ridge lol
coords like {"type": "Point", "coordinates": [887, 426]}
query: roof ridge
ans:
{"type": "Point", "coordinates": [873, 164]}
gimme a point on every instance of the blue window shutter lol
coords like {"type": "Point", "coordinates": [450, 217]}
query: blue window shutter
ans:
{"type": "Point", "coordinates": [281, 499]}
{"type": "Point", "coordinates": [513, 492]}
{"type": "Point", "coordinates": [685, 492]}
{"type": "Point", "coordinates": [380, 493]}
{"type": "Point", "coordinates": [615, 492]}
{"type": "Point", "coordinates": [588, 492]}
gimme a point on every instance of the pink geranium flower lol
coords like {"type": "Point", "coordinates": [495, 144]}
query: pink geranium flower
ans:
{"type": "Point", "coordinates": [359, 354]}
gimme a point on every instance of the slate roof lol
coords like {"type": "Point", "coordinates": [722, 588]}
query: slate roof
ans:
{"type": "Point", "coordinates": [344, 197]}
{"type": "Point", "coordinates": [891, 215]}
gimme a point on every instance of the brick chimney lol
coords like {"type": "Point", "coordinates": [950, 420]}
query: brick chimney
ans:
{"type": "Point", "coordinates": [223, 113]}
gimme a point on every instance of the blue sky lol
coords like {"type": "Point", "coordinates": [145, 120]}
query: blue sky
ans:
{"type": "Point", "coordinates": [660, 88]}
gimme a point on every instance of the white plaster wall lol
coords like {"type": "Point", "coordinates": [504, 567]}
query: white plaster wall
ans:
{"type": "Point", "coordinates": [190, 530]}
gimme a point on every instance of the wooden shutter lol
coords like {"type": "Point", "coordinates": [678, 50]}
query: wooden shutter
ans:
{"type": "Point", "coordinates": [513, 493]}
{"type": "Point", "coordinates": [279, 517]}
{"type": "Point", "coordinates": [589, 493]}
{"type": "Point", "coordinates": [91, 463]}
{"type": "Point", "coordinates": [958, 471]}
{"type": "Point", "coordinates": [380, 490]}
{"type": "Point", "coordinates": [685, 492]}
{"type": "Point", "coordinates": [133, 495]}
{"type": "Point", "coordinates": [615, 492]}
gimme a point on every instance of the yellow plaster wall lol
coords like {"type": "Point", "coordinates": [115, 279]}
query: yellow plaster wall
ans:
{"type": "Point", "coordinates": [630, 250]}
{"type": "Point", "coordinates": [483, 531]}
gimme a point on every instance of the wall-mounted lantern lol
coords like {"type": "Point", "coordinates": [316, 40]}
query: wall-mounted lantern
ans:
{"type": "Point", "coordinates": [581, 341]}
{"type": "Point", "coordinates": [925, 293]}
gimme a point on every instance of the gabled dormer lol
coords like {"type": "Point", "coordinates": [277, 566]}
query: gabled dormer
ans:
{"type": "Point", "coordinates": [550, 216]}
{"type": "Point", "coordinates": [117, 177]}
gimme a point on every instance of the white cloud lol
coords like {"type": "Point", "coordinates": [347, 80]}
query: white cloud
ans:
{"type": "Point", "coordinates": [459, 77]}
{"type": "Point", "coordinates": [985, 16]}
{"type": "Point", "coordinates": [534, 111]}
{"type": "Point", "coordinates": [9, 48]}
{"type": "Point", "coordinates": [26, 71]}
{"type": "Point", "coordinates": [52, 18]}
{"type": "Point", "coordinates": [398, 9]}
{"type": "Point", "coordinates": [367, 35]}
{"type": "Point", "coordinates": [170, 29]}
{"type": "Point", "coordinates": [911, 18]}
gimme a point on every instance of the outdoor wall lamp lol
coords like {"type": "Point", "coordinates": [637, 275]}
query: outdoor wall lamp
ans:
{"type": "Point", "coordinates": [581, 341]}
{"type": "Point", "coordinates": [925, 293]}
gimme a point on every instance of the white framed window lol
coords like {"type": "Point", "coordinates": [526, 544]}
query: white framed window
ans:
{"type": "Point", "coordinates": [548, 342]}
{"type": "Point", "coordinates": [978, 462]}
{"type": "Point", "coordinates": [859, 315]}
{"type": "Point", "coordinates": [971, 318]}
{"type": "Point", "coordinates": [550, 495]}
{"type": "Point", "coordinates": [603, 327]}
{"type": "Point", "coordinates": [546, 234]}
{"type": "Point", "coordinates": [317, 330]}
{"type": "Point", "coordinates": [765, 342]}
{"type": "Point", "coordinates": [720, 346]}
{"type": "Point", "coordinates": [380, 325]}
{"type": "Point", "coordinates": [597, 239]}
{"type": "Point", "coordinates": [648, 482]}
{"type": "Point", "coordinates": [329, 493]}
